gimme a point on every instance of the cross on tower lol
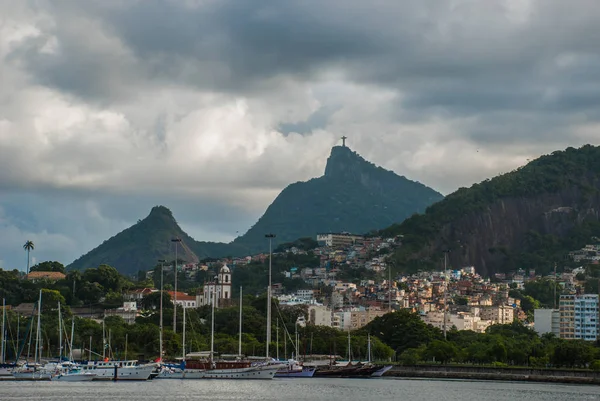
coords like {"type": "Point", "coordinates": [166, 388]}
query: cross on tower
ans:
{"type": "Point", "coordinates": [344, 140]}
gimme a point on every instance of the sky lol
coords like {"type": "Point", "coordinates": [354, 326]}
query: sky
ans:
{"type": "Point", "coordinates": [212, 107]}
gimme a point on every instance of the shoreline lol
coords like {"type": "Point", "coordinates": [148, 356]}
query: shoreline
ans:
{"type": "Point", "coordinates": [501, 374]}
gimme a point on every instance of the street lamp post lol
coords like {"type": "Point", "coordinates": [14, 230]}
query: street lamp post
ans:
{"type": "Point", "coordinates": [270, 237]}
{"type": "Point", "coordinates": [176, 241]}
{"type": "Point", "coordinates": [161, 261]}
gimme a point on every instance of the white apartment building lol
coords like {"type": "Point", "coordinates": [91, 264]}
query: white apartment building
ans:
{"type": "Point", "coordinates": [547, 321]}
{"type": "Point", "coordinates": [320, 315]}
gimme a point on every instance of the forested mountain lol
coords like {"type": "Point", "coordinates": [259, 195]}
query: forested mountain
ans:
{"type": "Point", "coordinates": [141, 245]}
{"type": "Point", "coordinates": [353, 195]}
{"type": "Point", "coordinates": [528, 218]}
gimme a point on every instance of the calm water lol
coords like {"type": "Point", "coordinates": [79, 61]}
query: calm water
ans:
{"type": "Point", "coordinates": [299, 389]}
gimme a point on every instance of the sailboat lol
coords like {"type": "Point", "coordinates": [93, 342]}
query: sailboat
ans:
{"type": "Point", "coordinates": [107, 369]}
{"type": "Point", "coordinates": [69, 371]}
{"type": "Point", "coordinates": [210, 368]}
{"type": "Point", "coordinates": [5, 368]}
{"type": "Point", "coordinates": [35, 371]}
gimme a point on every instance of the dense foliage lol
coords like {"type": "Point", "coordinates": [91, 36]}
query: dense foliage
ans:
{"type": "Point", "coordinates": [501, 345]}
{"type": "Point", "coordinates": [353, 195]}
{"type": "Point", "coordinates": [572, 168]}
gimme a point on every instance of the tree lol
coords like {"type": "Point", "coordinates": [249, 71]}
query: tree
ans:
{"type": "Point", "coordinates": [28, 247]}
{"type": "Point", "coordinates": [402, 330]}
{"type": "Point", "coordinates": [441, 351]}
{"type": "Point", "coordinates": [49, 267]}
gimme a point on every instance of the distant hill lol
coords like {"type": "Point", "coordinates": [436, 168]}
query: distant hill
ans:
{"type": "Point", "coordinates": [354, 195]}
{"type": "Point", "coordinates": [141, 245]}
{"type": "Point", "coordinates": [528, 218]}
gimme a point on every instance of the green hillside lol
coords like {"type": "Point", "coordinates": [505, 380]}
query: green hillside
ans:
{"type": "Point", "coordinates": [539, 212]}
{"type": "Point", "coordinates": [353, 195]}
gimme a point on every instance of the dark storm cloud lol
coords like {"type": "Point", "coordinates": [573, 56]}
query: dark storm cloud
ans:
{"type": "Point", "coordinates": [466, 57]}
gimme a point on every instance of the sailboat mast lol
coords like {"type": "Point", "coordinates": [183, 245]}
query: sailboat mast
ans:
{"type": "Point", "coordinates": [349, 354]}
{"type": "Point", "coordinates": [212, 323]}
{"type": "Point", "coordinates": [160, 339]}
{"type": "Point", "coordinates": [240, 339]}
{"type": "Point", "coordinates": [183, 334]}
{"type": "Point", "coordinates": [71, 341]}
{"type": "Point", "coordinates": [38, 345]}
{"type": "Point", "coordinates": [59, 334]}
{"type": "Point", "coordinates": [277, 340]}
{"type": "Point", "coordinates": [103, 341]}
{"type": "Point", "coordinates": [369, 347]}
{"type": "Point", "coordinates": [2, 356]}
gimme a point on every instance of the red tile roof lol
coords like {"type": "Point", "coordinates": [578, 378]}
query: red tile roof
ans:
{"type": "Point", "coordinates": [46, 276]}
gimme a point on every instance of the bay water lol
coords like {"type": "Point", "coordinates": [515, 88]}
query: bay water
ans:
{"type": "Point", "coordinates": [313, 389]}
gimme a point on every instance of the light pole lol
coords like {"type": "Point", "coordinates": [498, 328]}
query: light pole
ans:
{"type": "Point", "coordinates": [176, 241]}
{"type": "Point", "coordinates": [446, 252]}
{"type": "Point", "coordinates": [270, 237]}
{"type": "Point", "coordinates": [161, 261]}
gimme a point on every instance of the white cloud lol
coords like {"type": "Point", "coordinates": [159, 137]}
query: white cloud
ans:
{"type": "Point", "coordinates": [107, 109]}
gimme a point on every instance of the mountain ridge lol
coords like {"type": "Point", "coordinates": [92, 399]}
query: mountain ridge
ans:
{"type": "Point", "coordinates": [353, 195]}
{"type": "Point", "coordinates": [528, 218]}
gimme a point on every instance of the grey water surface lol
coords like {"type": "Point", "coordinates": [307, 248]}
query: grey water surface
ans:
{"type": "Point", "coordinates": [314, 389]}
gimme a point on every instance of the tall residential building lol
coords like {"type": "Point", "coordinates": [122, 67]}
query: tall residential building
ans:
{"type": "Point", "coordinates": [547, 321]}
{"type": "Point", "coordinates": [501, 314]}
{"type": "Point", "coordinates": [579, 317]}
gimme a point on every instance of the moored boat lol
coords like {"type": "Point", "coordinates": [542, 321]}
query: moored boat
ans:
{"type": "Point", "coordinates": [73, 374]}
{"type": "Point", "coordinates": [295, 369]}
{"type": "Point", "coordinates": [32, 373]}
{"type": "Point", "coordinates": [119, 370]}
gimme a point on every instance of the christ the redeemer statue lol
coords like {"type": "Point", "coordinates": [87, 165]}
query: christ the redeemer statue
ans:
{"type": "Point", "coordinates": [344, 140]}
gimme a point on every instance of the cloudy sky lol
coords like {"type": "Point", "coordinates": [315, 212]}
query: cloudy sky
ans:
{"type": "Point", "coordinates": [211, 107]}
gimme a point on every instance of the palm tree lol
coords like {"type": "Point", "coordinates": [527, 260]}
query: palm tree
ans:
{"type": "Point", "coordinates": [28, 247]}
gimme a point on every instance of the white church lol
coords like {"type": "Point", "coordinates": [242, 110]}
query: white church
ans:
{"type": "Point", "coordinates": [221, 289]}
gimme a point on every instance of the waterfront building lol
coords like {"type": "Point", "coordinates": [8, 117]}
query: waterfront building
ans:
{"type": "Point", "coordinates": [547, 321]}
{"type": "Point", "coordinates": [579, 317]}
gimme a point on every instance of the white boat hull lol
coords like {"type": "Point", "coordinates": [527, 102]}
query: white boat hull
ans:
{"type": "Point", "coordinates": [123, 373]}
{"type": "Point", "coordinates": [189, 374]}
{"type": "Point", "coordinates": [32, 376]}
{"type": "Point", "coordinates": [76, 377]}
{"type": "Point", "coordinates": [251, 373]}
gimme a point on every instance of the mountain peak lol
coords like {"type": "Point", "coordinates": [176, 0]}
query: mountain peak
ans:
{"type": "Point", "coordinates": [162, 211]}
{"type": "Point", "coordinates": [344, 163]}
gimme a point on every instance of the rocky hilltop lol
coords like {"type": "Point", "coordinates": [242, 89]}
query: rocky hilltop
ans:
{"type": "Point", "coordinates": [529, 218]}
{"type": "Point", "coordinates": [353, 195]}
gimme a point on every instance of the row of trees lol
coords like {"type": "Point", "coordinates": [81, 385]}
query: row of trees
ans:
{"type": "Point", "coordinates": [510, 344]}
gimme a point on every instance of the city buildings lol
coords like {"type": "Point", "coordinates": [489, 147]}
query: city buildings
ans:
{"type": "Point", "coordinates": [578, 317]}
